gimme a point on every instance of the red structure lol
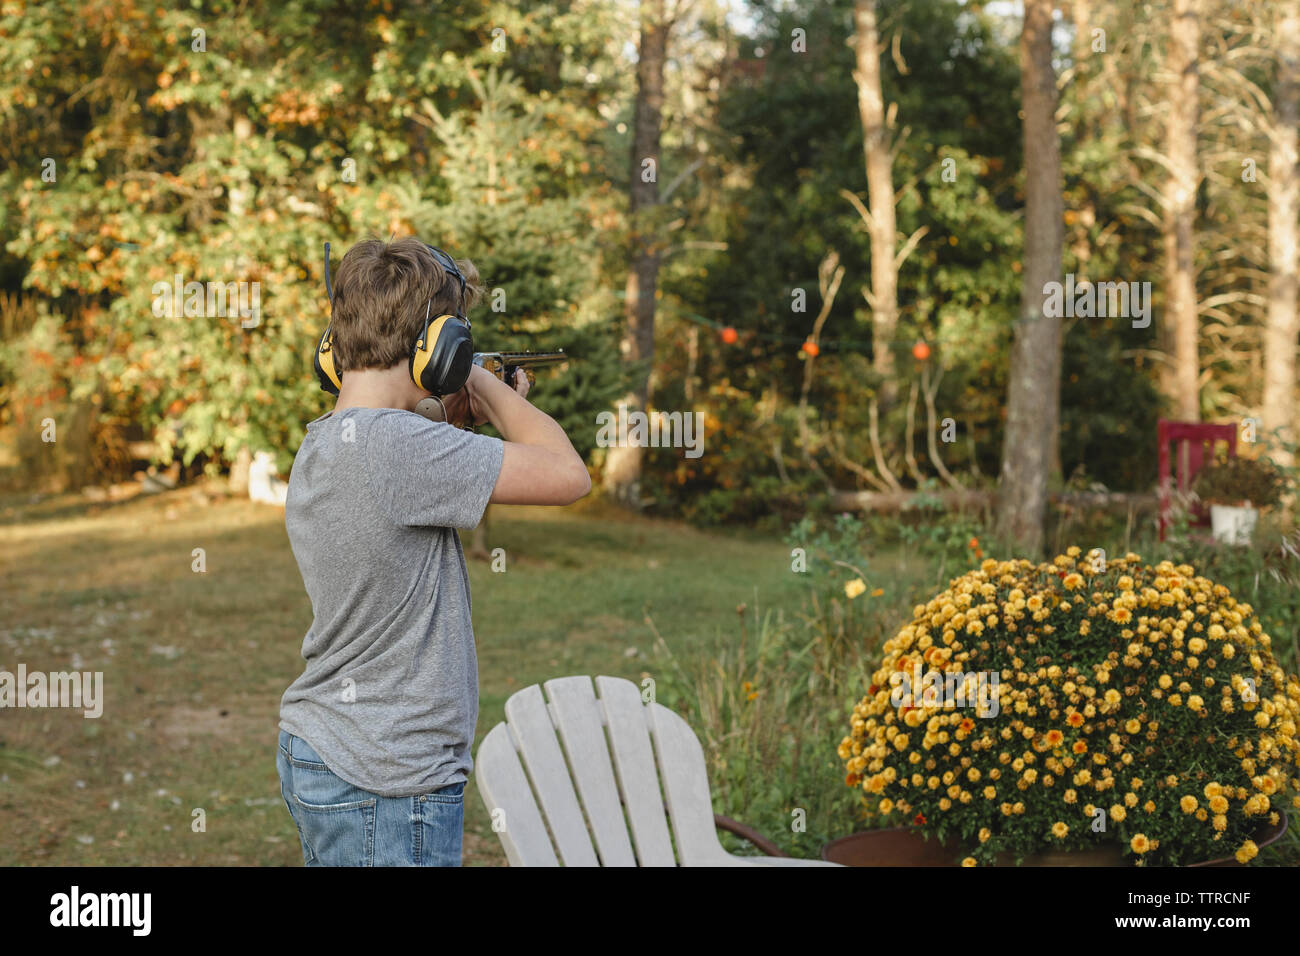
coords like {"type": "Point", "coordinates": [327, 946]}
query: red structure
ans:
{"type": "Point", "coordinates": [1190, 440]}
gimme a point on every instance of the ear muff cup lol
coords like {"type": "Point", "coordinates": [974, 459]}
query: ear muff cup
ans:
{"type": "Point", "coordinates": [442, 357]}
{"type": "Point", "coordinates": [324, 364]}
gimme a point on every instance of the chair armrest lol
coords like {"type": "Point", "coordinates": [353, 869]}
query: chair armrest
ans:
{"type": "Point", "coordinates": [748, 833]}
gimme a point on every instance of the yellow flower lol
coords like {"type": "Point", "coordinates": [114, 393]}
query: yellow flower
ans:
{"type": "Point", "coordinates": [1118, 813]}
{"type": "Point", "coordinates": [854, 588]}
{"type": "Point", "coordinates": [1132, 725]}
{"type": "Point", "coordinates": [969, 861]}
{"type": "Point", "coordinates": [1139, 843]}
{"type": "Point", "coordinates": [1212, 789]}
{"type": "Point", "coordinates": [1059, 830]}
{"type": "Point", "coordinates": [1218, 804]}
{"type": "Point", "coordinates": [1188, 804]}
{"type": "Point", "coordinates": [985, 833]}
{"type": "Point", "coordinates": [1247, 852]}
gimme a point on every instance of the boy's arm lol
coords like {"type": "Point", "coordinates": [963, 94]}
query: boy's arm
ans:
{"type": "Point", "coordinates": [540, 465]}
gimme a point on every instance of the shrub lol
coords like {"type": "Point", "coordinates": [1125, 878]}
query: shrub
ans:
{"type": "Point", "coordinates": [1145, 700]}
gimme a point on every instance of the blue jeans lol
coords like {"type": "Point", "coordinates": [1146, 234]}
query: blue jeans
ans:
{"type": "Point", "coordinates": [343, 825]}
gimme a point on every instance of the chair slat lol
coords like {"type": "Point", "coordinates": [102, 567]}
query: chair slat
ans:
{"type": "Point", "coordinates": [686, 786]}
{"type": "Point", "coordinates": [629, 736]}
{"type": "Point", "coordinates": [578, 720]}
{"type": "Point", "coordinates": [503, 787]}
{"type": "Point", "coordinates": [530, 722]}
{"type": "Point", "coordinates": [641, 738]}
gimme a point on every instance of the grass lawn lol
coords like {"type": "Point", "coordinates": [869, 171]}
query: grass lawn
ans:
{"type": "Point", "coordinates": [195, 663]}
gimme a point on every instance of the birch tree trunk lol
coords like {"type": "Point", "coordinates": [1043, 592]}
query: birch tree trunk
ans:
{"type": "Point", "coordinates": [1282, 328]}
{"type": "Point", "coordinates": [1033, 399]}
{"type": "Point", "coordinates": [883, 295]}
{"type": "Point", "coordinates": [1181, 324]}
{"type": "Point", "coordinates": [623, 464]}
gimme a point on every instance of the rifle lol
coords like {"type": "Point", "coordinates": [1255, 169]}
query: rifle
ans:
{"type": "Point", "coordinates": [503, 365]}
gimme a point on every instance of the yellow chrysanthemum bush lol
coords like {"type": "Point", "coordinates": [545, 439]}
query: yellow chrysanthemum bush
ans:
{"type": "Point", "coordinates": [1078, 703]}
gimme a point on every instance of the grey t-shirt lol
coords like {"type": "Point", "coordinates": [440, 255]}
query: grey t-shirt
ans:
{"type": "Point", "coordinates": [389, 697]}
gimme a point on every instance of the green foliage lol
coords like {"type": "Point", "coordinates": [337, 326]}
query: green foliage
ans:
{"type": "Point", "coordinates": [233, 163]}
{"type": "Point", "coordinates": [949, 541]}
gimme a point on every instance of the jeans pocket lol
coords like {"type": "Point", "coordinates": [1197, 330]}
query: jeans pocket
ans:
{"type": "Point", "coordinates": [337, 834]}
{"type": "Point", "coordinates": [336, 819]}
{"type": "Point", "coordinates": [440, 826]}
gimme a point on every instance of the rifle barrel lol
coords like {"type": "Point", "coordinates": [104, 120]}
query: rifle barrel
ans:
{"type": "Point", "coordinates": [531, 358]}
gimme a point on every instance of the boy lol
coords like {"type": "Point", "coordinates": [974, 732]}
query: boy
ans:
{"type": "Point", "coordinates": [375, 734]}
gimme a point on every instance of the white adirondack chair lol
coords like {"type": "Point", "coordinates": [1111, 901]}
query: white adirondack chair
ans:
{"type": "Point", "coordinates": [612, 744]}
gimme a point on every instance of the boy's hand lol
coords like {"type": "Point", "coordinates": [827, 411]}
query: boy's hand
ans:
{"type": "Point", "coordinates": [467, 407]}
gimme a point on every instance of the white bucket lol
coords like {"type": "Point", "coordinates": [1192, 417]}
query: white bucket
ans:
{"type": "Point", "coordinates": [1232, 525]}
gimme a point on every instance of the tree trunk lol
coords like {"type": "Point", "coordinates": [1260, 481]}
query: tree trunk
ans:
{"type": "Point", "coordinates": [1033, 395]}
{"type": "Point", "coordinates": [623, 464]}
{"type": "Point", "coordinates": [883, 297]}
{"type": "Point", "coordinates": [239, 197]}
{"type": "Point", "coordinates": [1181, 325]}
{"type": "Point", "coordinates": [1282, 328]}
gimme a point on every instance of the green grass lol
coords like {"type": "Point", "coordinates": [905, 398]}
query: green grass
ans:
{"type": "Point", "coordinates": [194, 663]}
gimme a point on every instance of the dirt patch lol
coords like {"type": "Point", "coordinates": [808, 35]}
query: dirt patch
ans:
{"type": "Point", "coordinates": [183, 725]}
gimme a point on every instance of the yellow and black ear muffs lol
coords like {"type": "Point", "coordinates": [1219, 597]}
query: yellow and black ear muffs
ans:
{"type": "Point", "coordinates": [441, 356]}
{"type": "Point", "coordinates": [444, 353]}
{"type": "Point", "coordinates": [326, 373]}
